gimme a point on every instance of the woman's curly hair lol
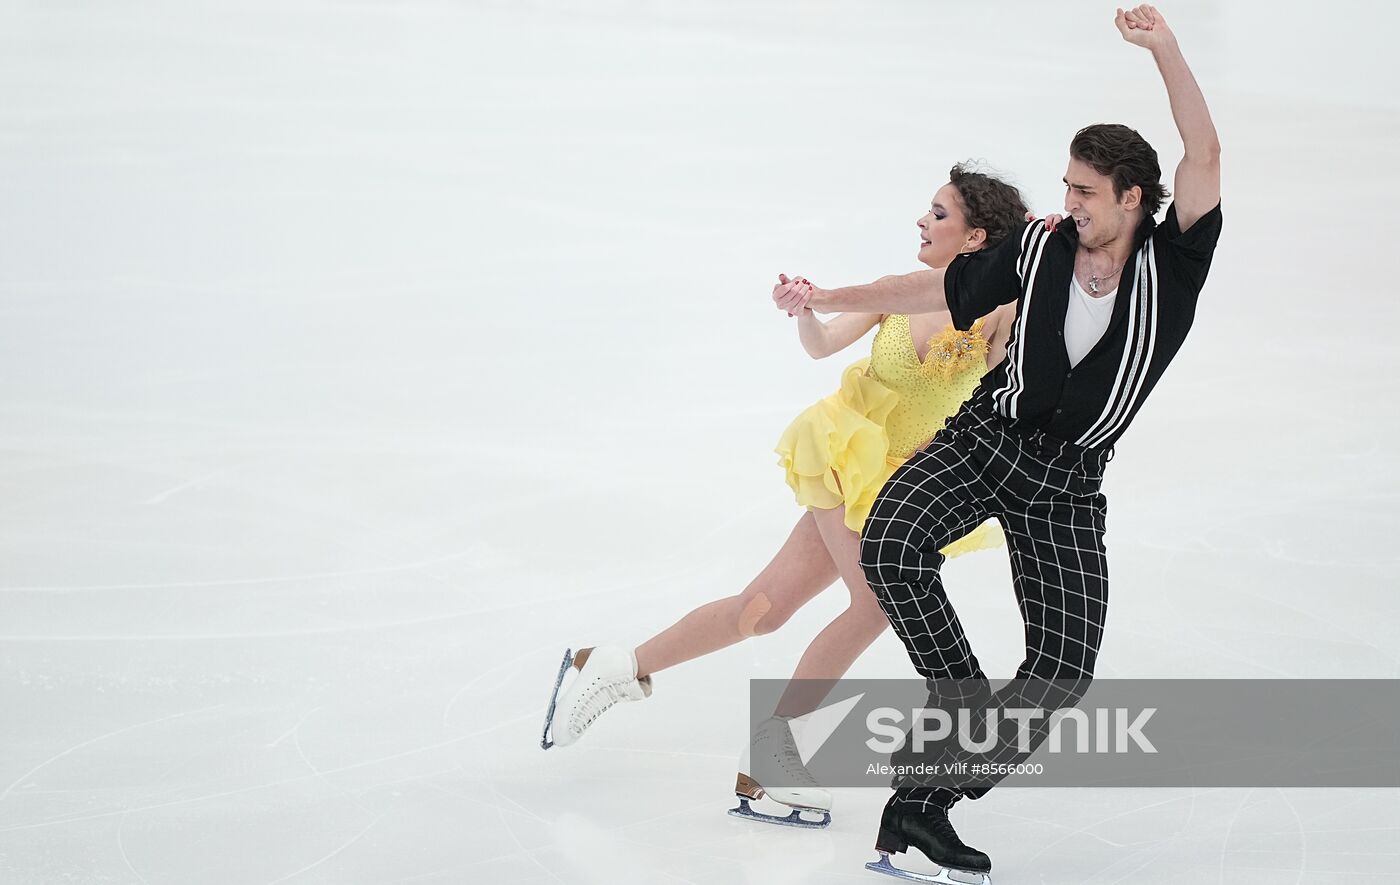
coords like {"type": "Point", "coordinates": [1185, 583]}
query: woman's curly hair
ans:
{"type": "Point", "coordinates": [988, 202]}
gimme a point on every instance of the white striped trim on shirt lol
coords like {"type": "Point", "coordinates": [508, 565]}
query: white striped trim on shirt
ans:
{"type": "Point", "coordinates": [1137, 354]}
{"type": "Point", "coordinates": [1033, 241]}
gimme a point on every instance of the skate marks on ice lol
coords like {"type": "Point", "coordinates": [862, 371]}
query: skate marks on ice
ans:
{"type": "Point", "coordinates": [219, 583]}
{"type": "Point", "coordinates": [502, 666]}
{"type": "Point", "coordinates": [1066, 837]}
{"type": "Point", "coordinates": [595, 854]}
{"type": "Point", "coordinates": [651, 816]}
{"type": "Point", "coordinates": [331, 855]}
{"type": "Point", "coordinates": [23, 778]}
{"type": "Point", "coordinates": [1162, 814]}
{"type": "Point", "coordinates": [1236, 836]}
{"type": "Point", "coordinates": [598, 855]}
{"type": "Point", "coordinates": [75, 816]}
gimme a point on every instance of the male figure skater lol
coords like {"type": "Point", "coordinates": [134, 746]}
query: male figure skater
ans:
{"type": "Point", "coordinates": [1102, 306]}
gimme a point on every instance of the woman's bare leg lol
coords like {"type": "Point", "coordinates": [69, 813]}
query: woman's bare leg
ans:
{"type": "Point", "coordinates": [836, 648]}
{"type": "Point", "coordinates": [801, 569]}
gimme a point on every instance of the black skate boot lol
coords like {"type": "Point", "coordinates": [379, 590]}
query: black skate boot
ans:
{"type": "Point", "coordinates": [932, 833]}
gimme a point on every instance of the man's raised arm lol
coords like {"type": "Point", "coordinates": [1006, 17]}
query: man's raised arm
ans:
{"type": "Point", "coordinates": [1197, 185]}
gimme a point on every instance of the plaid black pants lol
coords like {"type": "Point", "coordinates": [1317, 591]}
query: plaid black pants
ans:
{"type": "Point", "coordinates": [1045, 493]}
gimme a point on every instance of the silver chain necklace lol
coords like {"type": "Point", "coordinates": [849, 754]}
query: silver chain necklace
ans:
{"type": "Point", "coordinates": [1095, 280]}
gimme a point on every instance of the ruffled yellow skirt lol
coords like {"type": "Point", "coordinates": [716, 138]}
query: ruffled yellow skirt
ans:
{"type": "Point", "coordinates": [837, 452]}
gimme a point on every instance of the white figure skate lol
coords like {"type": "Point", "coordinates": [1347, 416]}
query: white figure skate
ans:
{"type": "Point", "coordinates": [777, 763]}
{"type": "Point", "coordinates": [606, 675]}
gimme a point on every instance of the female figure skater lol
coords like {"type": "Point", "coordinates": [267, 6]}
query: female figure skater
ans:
{"type": "Point", "coordinates": [837, 455]}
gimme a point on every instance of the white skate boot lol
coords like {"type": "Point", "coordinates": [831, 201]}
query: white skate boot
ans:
{"type": "Point", "coordinates": [607, 674]}
{"type": "Point", "coordinates": [777, 764]}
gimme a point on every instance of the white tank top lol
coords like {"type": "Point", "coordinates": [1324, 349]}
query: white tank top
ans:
{"type": "Point", "coordinates": [1085, 320]}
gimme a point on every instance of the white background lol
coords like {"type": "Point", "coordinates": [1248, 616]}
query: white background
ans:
{"type": "Point", "coordinates": [356, 358]}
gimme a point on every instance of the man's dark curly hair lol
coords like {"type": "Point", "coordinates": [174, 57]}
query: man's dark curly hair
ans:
{"type": "Point", "coordinates": [987, 202]}
{"type": "Point", "coordinates": [1125, 156]}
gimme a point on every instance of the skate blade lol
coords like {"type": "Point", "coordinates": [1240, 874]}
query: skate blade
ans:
{"type": "Point", "coordinates": [943, 877]}
{"type": "Point", "coordinates": [545, 742]}
{"type": "Point", "coordinates": [795, 819]}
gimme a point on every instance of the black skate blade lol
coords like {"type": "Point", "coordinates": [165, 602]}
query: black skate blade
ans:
{"type": "Point", "coordinates": [944, 876]}
{"type": "Point", "coordinates": [795, 819]}
{"type": "Point", "coordinates": [545, 742]}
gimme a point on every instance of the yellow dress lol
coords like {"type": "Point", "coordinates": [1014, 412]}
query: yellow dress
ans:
{"type": "Point", "coordinates": [844, 448]}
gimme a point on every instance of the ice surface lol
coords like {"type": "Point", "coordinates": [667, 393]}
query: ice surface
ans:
{"type": "Point", "coordinates": [355, 358]}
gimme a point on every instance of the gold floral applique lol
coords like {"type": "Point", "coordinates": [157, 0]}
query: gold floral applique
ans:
{"type": "Point", "coordinates": [951, 351]}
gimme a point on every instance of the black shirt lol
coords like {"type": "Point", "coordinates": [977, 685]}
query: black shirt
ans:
{"type": "Point", "coordinates": [1092, 403]}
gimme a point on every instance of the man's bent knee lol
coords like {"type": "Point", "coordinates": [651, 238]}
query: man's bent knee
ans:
{"type": "Point", "coordinates": [883, 555]}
